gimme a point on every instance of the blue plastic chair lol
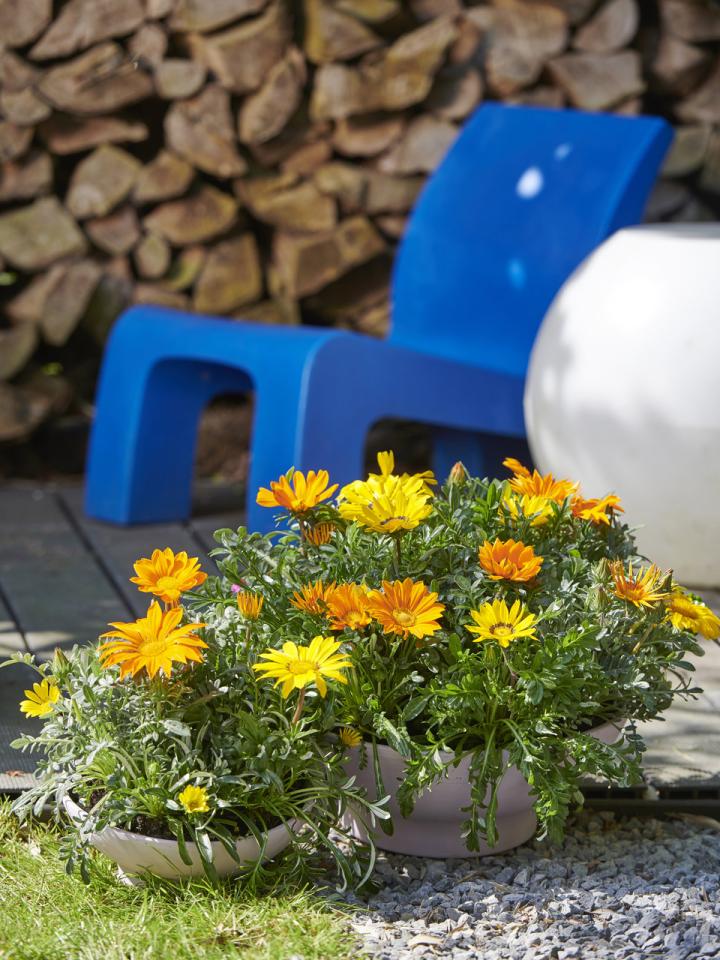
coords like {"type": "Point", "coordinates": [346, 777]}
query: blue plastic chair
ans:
{"type": "Point", "coordinates": [523, 196]}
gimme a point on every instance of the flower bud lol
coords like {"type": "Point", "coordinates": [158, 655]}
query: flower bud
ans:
{"type": "Point", "coordinates": [458, 476]}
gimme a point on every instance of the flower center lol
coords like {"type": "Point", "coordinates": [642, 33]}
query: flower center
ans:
{"type": "Point", "coordinates": [501, 630]}
{"type": "Point", "coordinates": [152, 648]}
{"type": "Point", "coordinates": [404, 618]}
{"type": "Point", "coordinates": [301, 667]}
{"type": "Point", "coordinates": [686, 609]}
{"type": "Point", "coordinates": [168, 585]}
{"type": "Point", "coordinates": [355, 619]}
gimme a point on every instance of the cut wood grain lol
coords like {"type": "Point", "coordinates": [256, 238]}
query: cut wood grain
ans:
{"type": "Point", "coordinates": [101, 181]}
{"type": "Point", "coordinates": [21, 21]}
{"type": "Point", "coordinates": [81, 23]}
{"type": "Point", "coordinates": [97, 82]}
{"type": "Point", "coordinates": [595, 82]}
{"type": "Point", "coordinates": [202, 16]}
{"type": "Point", "coordinates": [26, 178]}
{"type": "Point", "coordinates": [164, 178]}
{"type": "Point", "coordinates": [17, 345]}
{"type": "Point", "coordinates": [610, 29]}
{"type": "Point", "coordinates": [367, 135]}
{"type": "Point", "coordinates": [231, 276]}
{"type": "Point", "coordinates": [23, 107]}
{"type": "Point", "coordinates": [38, 235]}
{"type": "Point", "coordinates": [68, 299]}
{"type": "Point", "coordinates": [678, 66]}
{"type": "Point", "coordinates": [117, 233]}
{"type": "Point", "coordinates": [152, 256]}
{"type": "Point", "coordinates": [703, 106]}
{"type": "Point", "coordinates": [265, 113]}
{"type": "Point", "coordinates": [197, 218]}
{"type": "Point", "coordinates": [176, 79]}
{"type": "Point", "coordinates": [332, 35]}
{"type": "Point", "coordinates": [201, 131]}
{"type": "Point", "coordinates": [14, 140]}
{"type": "Point", "coordinates": [66, 135]}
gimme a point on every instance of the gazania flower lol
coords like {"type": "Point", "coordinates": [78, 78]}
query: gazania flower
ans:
{"type": "Point", "coordinates": [347, 606]}
{"type": "Point", "coordinates": [41, 699]}
{"type": "Point", "coordinates": [536, 485]}
{"type": "Point", "coordinates": [152, 643]}
{"type": "Point", "coordinates": [296, 492]}
{"type": "Point", "coordinates": [296, 667]}
{"type": "Point", "coordinates": [250, 604]}
{"type": "Point", "coordinates": [167, 574]}
{"type": "Point", "coordinates": [405, 607]}
{"type": "Point", "coordinates": [684, 613]}
{"type": "Point", "coordinates": [386, 504]}
{"type": "Point", "coordinates": [494, 621]}
{"type": "Point", "coordinates": [320, 534]}
{"type": "Point", "coordinates": [349, 737]}
{"type": "Point", "coordinates": [640, 587]}
{"type": "Point", "coordinates": [194, 800]}
{"type": "Point", "coordinates": [386, 463]}
{"type": "Point", "coordinates": [509, 560]}
{"type": "Point", "coordinates": [537, 508]}
{"type": "Point", "coordinates": [595, 510]}
{"type": "Point", "coordinates": [313, 597]}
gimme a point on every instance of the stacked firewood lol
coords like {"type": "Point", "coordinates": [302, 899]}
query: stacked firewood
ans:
{"type": "Point", "coordinates": [258, 158]}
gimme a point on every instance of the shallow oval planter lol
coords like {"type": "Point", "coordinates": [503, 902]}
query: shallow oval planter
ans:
{"type": "Point", "coordinates": [434, 828]}
{"type": "Point", "coordinates": [137, 854]}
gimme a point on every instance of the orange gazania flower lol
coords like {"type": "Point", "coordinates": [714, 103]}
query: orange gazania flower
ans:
{"type": "Point", "coordinates": [509, 560]}
{"type": "Point", "coordinates": [347, 606]}
{"type": "Point", "coordinates": [536, 485]}
{"type": "Point", "coordinates": [167, 574]}
{"type": "Point", "coordinates": [595, 510]}
{"type": "Point", "coordinates": [313, 597]}
{"type": "Point", "coordinates": [320, 534]}
{"type": "Point", "coordinates": [296, 492]}
{"type": "Point", "coordinates": [405, 607]}
{"type": "Point", "coordinates": [250, 604]}
{"type": "Point", "coordinates": [637, 587]}
{"type": "Point", "coordinates": [152, 643]}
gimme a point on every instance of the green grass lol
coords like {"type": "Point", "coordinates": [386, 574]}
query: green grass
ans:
{"type": "Point", "coordinates": [47, 915]}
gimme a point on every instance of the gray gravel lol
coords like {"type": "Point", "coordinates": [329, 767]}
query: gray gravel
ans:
{"type": "Point", "coordinates": [616, 888]}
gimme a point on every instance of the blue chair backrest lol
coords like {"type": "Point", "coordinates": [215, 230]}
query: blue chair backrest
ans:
{"type": "Point", "coordinates": [523, 196]}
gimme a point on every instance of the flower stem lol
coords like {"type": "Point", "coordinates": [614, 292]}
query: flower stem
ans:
{"type": "Point", "coordinates": [299, 707]}
{"type": "Point", "coordinates": [398, 555]}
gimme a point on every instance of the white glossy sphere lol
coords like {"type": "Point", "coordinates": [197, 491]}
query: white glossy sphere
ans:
{"type": "Point", "coordinates": [623, 389]}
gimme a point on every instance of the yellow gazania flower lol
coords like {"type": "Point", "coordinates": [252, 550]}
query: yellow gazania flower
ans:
{"type": "Point", "coordinates": [536, 485]}
{"type": "Point", "coordinates": [494, 621]}
{"type": "Point", "coordinates": [509, 560]}
{"type": "Point", "coordinates": [405, 607]}
{"type": "Point", "coordinates": [687, 614]}
{"type": "Point", "coordinates": [296, 667]}
{"type": "Point", "coordinates": [595, 510]}
{"type": "Point", "coordinates": [386, 504]}
{"type": "Point", "coordinates": [152, 643]}
{"type": "Point", "coordinates": [386, 463]}
{"type": "Point", "coordinates": [194, 800]}
{"type": "Point", "coordinates": [296, 492]}
{"type": "Point", "coordinates": [347, 606]}
{"type": "Point", "coordinates": [320, 534]}
{"type": "Point", "coordinates": [539, 508]}
{"type": "Point", "coordinates": [639, 588]}
{"type": "Point", "coordinates": [167, 574]}
{"type": "Point", "coordinates": [349, 737]}
{"type": "Point", "coordinates": [250, 604]}
{"type": "Point", "coordinates": [41, 699]}
{"type": "Point", "coordinates": [313, 597]}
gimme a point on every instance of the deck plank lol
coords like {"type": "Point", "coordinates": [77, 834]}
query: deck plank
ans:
{"type": "Point", "coordinates": [58, 591]}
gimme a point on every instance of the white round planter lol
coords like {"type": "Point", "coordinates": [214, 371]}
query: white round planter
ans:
{"type": "Point", "coordinates": [434, 828]}
{"type": "Point", "coordinates": [136, 854]}
{"type": "Point", "coordinates": [623, 390]}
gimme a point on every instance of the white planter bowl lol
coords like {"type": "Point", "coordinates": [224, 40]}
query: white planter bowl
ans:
{"type": "Point", "coordinates": [623, 392]}
{"type": "Point", "coordinates": [136, 854]}
{"type": "Point", "coordinates": [434, 828]}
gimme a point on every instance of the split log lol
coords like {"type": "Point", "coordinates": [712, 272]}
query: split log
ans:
{"type": "Point", "coordinates": [519, 40]}
{"type": "Point", "coordinates": [21, 21]}
{"type": "Point", "coordinates": [392, 224]}
{"type": "Point", "coordinates": [540, 96]}
{"type": "Point", "coordinates": [372, 11]}
{"type": "Point", "coordinates": [27, 178]}
{"type": "Point", "coordinates": [202, 16]}
{"type": "Point", "coordinates": [230, 277]}
{"type": "Point", "coordinates": [111, 296]}
{"type": "Point", "coordinates": [23, 107]}
{"type": "Point", "coordinates": [464, 49]}
{"type": "Point", "coordinates": [185, 269]}
{"type": "Point", "coordinates": [429, 9]}
{"type": "Point", "coordinates": [195, 219]}
{"type": "Point", "coordinates": [610, 29]}
{"type": "Point", "coordinates": [289, 205]}
{"type": "Point", "coordinates": [346, 183]}
{"type": "Point", "coordinates": [176, 79]}
{"type": "Point", "coordinates": [702, 106]}
{"type": "Point", "coordinates": [36, 236]}
{"type": "Point", "coordinates": [164, 178]}
{"type": "Point", "coordinates": [82, 23]}
{"type": "Point", "coordinates": [688, 150]}
{"type": "Point", "coordinates": [158, 9]}
{"type": "Point", "coordinates": [101, 181]}
{"type": "Point", "coordinates": [21, 411]}
{"type": "Point", "coordinates": [307, 158]}
{"type": "Point", "coordinates": [678, 66]}
{"type": "Point", "coordinates": [68, 299]}
{"type": "Point", "coordinates": [64, 135]}
{"type": "Point", "coordinates": [158, 295]}
{"type": "Point", "coordinates": [242, 57]}
{"type": "Point", "coordinates": [299, 133]}
{"type": "Point", "coordinates": [15, 73]}
{"type": "Point", "coordinates": [306, 263]}
{"type": "Point", "coordinates": [152, 256]}
{"type": "Point", "coordinates": [710, 177]}
{"type": "Point", "coordinates": [14, 140]}
{"type": "Point", "coordinates": [595, 82]}
{"type": "Point", "coordinates": [421, 148]}
{"type": "Point", "coordinates": [456, 93]}
{"type": "Point", "coordinates": [332, 35]}
{"type": "Point", "coordinates": [692, 21]}
{"type": "Point", "coordinates": [368, 135]}
{"type": "Point", "coordinates": [28, 306]}
{"type": "Point", "coordinates": [97, 82]}
{"type": "Point", "coordinates": [353, 298]}
{"type": "Point", "coordinates": [148, 46]}
{"type": "Point", "coordinates": [17, 345]}
{"type": "Point", "coordinates": [577, 11]}
{"type": "Point", "coordinates": [274, 312]}
{"type": "Point", "coordinates": [265, 113]}
{"type": "Point", "coordinates": [117, 233]}
{"type": "Point", "coordinates": [201, 131]}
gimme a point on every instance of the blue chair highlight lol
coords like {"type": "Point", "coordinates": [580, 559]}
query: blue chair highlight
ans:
{"type": "Point", "coordinates": [523, 196]}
